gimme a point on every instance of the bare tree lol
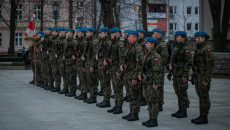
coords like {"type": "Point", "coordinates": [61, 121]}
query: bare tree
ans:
{"type": "Point", "coordinates": [144, 14]}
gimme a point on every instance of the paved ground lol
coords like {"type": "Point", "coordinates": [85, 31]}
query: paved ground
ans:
{"type": "Point", "coordinates": [24, 106]}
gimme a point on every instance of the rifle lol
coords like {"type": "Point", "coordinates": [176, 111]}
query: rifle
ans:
{"type": "Point", "coordinates": [106, 68]}
{"type": "Point", "coordinates": [99, 54]}
{"type": "Point", "coordinates": [144, 69]}
{"type": "Point", "coordinates": [124, 62]}
{"type": "Point", "coordinates": [86, 54]}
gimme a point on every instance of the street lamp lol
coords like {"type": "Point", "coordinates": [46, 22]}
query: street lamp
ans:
{"type": "Point", "coordinates": [55, 8]}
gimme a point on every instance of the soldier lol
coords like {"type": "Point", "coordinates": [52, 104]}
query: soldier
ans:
{"type": "Point", "coordinates": [104, 79]}
{"type": "Point", "coordinates": [202, 68]}
{"type": "Point", "coordinates": [68, 63]}
{"type": "Point", "coordinates": [162, 49]}
{"type": "Point", "coordinates": [141, 41]}
{"type": "Point", "coordinates": [59, 56]}
{"type": "Point", "coordinates": [150, 78]}
{"type": "Point", "coordinates": [48, 42]}
{"type": "Point", "coordinates": [130, 69]}
{"type": "Point", "coordinates": [89, 60]}
{"type": "Point", "coordinates": [79, 50]}
{"type": "Point", "coordinates": [53, 53]}
{"type": "Point", "coordinates": [111, 64]}
{"type": "Point", "coordinates": [180, 65]}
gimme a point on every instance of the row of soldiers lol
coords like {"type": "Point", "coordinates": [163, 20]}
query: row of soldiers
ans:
{"type": "Point", "coordinates": [138, 63]}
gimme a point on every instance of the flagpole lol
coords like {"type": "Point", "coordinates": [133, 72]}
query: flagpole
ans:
{"type": "Point", "coordinates": [35, 61]}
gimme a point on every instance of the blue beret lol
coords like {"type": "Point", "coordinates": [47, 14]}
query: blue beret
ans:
{"type": "Point", "coordinates": [39, 32]}
{"type": "Point", "coordinates": [158, 30]}
{"type": "Point", "coordinates": [82, 30]}
{"type": "Point", "coordinates": [106, 28]}
{"type": "Point", "coordinates": [55, 29]}
{"type": "Point", "coordinates": [70, 30]}
{"type": "Point", "coordinates": [200, 33]}
{"type": "Point", "coordinates": [133, 32]}
{"type": "Point", "coordinates": [103, 29]}
{"type": "Point", "coordinates": [90, 29]}
{"type": "Point", "coordinates": [62, 29]}
{"type": "Point", "coordinates": [182, 33]}
{"type": "Point", "coordinates": [49, 28]}
{"type": "Point", "coordinates": [141, 30]}
{"type": "Point", "coordinates": [43, 35]}
{"type": "Point", "coordinates": [114, 30]}
{"type": "Point", "coordinates": [126, 31]}
{"type": "Point", "coordinates": [151, 39]}
{"type": "Point", "coordinates": [78, 27]}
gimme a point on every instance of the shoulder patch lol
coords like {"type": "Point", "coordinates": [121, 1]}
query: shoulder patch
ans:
{"type": "Point", "coordinates": [187, 51]}
{"type": "Point", "coordinates": [155, 59]}
{"type": "Point", "coordinates": [139, 50]}
{"type": "Point", "coordinates": [163, 46]}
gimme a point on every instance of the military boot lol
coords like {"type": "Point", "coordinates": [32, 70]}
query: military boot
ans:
{"type": "Point", "coordinates": [193, 120]}
{"type": "Point", "coordinates": [126, 116]}
{"type": "Point", "coordinates": [133, 117]}
{"type": "Point", "coordinates": [182, 114]}
{"type": "Point", "coordinates": [175, 114]}
{"type": "Point", "coordinates": [104, 104]}
{"type": "Point", "coordinates": [201, 120]}
{"type": "Point", "coordinates": [143, 102]}
{"type": "Point", "coordinates": [160, 108]}
{"type": "Point", "coordinates": [112, 109]}
{"type": "Point", "coordinates": [31, 82]}
{"type": "Point", "coordinates": [152, 123]}
{"type": "Point", "coordinates": [92, 100]}
{"type": "Point", "coordinates": [86, 100]}
{"type": "Point", "coordinates": [144, 123]}
{"type": "Point", "coordinates": [49, 87]}
{"type": "Point", "coordinates": [79, 87]}
{"type": "Point", "coordinates": [82, 96]}
{"type": "Point", "coordinates": [55, 89]}
{"type": "Point", "coordinates": [118, 110]}
{"type": "Point", "coordinates": [112, 96]}
{"type": "Point", "coordinates": [100, 93]}
{"type": "Point", "coordinates": [71, 94]}
{"type": "Point", "coordinates": [125, 98]}
{"type": "Point", "coordinates": [63, 91]}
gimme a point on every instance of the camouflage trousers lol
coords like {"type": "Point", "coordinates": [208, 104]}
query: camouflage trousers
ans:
{"type": "Point", "coordinates": [127, 89]}
{"type": "Point", "coordinates": [105, 85]}
{"type": "Point", "coordinates": [203, 94]}
{"type": "Point", "coordinates": [62, 71]}
{"type": "Point", "coordinates": [82, 79]}
{"type": "Point", "coordinates": [56, 74]}
{"type": "Point", "coordinates": [181, 91]}
{"type": "Point", "coordinates": [134, 99]}
{"type": "Point", "coordinates": [44, 72]}
{"type": "Point", "coordinates": [92, 82]}
{"type": "Point", "coordinates": [161, 91]}
{"type": "Point", "coordinates": [151, 97]}
{"type": "Point", "coordinates": [71, 78]}
{"type": "Point", "coordinates": [117, 89]}
{"type": "Point", "coordinates": [50, 74]}
{"type": "Point", "coordinates": [38, 72]}
{"type": "Point", "coordinates": [33, 69]}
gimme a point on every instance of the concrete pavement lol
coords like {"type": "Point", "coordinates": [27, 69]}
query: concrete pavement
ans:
{"type": "Point", "coordinates": [27, 107]}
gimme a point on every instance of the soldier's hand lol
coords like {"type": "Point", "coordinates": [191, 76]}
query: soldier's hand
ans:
{"type": "Point", "coordinates": [47, 52]}
{"type": "Point", "coordinates": [121, 68]}
{"type": "Point", "coordinates": [56, 55]}
{"type": "Point", "coordinates": [109, 60]}
{"type": "Point", "coordinates": [205, 84]}
{"type": "Point", "coordinates": [91, 69]}
{"type": "Point", "coordinates": [170, 67]}
{"type": "Point", "coordinates": [139, 76]}
{"type": "Point", "coordinates": [83, 58]}
{"type": "Point", "coordinates": [184, 80]}
{"type": "Point", "coordinates": [62, 65]}
{"type": "Point", "coordinates": [191, 72]}
{"type": "Point", "coordinates": [97, 57]}
{"type": "Point", "coordinates": [155, 87]}
{"type": "Point", "coordinates": [74, 66]}
{"type": "Point", "coordinates": [105, 63]}
{"type": "Point", "coordinates": [73, 57]}
{"type": "Point", "coordinates": [134, 82]}
{"type": "Point", "coordinates": [63, 58]}
{"type": "Point", "coordinates": [118, 75]}
{"type": "Point", "coordinates": [84, 69]}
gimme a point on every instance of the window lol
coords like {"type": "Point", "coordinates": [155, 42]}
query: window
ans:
{"type": "Point", "coordinates": [37, 12]}
{"type": "Point", "coordinates": [19, 12]}
{"type": "Point", "coordinates": [80, 21]}
{"type": "Point", "coordinates": [0, 12]}
{"type": "Point", "coordinates": [196, 26]}
{"type": "Point", "coordinates": [80, 4]}
{"type": "Point", "coordinates": [0, 39]}
{"type": "Point", "coordinates": [18, 39]}
{"type": "Point", "coordinates": [189, 26]}
{"type": "Point", "coordinates": [172, 28]}
{"type": "Point", "coordinates": [189, 10]}
{"type": "Point", "coordinates": [157, 8]}
{"type": "Point", "coordinates": [55, 11]}
{"type": "Point", "coordinates": [172, 9]}
{"type": "Point", "coordinates": [196, 10]}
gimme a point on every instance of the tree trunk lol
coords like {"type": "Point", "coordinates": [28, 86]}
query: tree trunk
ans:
{"type": "Point", "coordinates": [70, 13]}
{"type": "Point", "coordinates": [144, 15]}
{"type": "Point", "coordinates": [41, 24]}
{"type": "Point", "coordinates": [94, 13]}
{"type": "Point", "coordinates": [12, 26]}
{"type": "Point", "coordinates": [116, 14]}
{"type": "Point", "coordinates": [100, 19]}
{"type": "Point", "coordinates": [225, 22]}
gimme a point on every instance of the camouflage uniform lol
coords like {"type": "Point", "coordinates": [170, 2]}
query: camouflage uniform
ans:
{"type": "Point", "coordinates": [55, 49]}
{"type": "Point", "coordinates": [70, 70]}
{"type": "Point", "coordinates": [182, 60]}
{"type": "Point", "coordinates": [134, 64]}
{"type": "Point", "coordinates": [154, 65]}
{"type": "Point", "coordinates": [38, 60]}
{"type": "Point", "coordinates": [44, 63]}
{"type": "Point", "coordinates": [162, 49]}
{"type": "Point", "coordinates": [48, 40]}
{"type": "Point", "coordinates": [204, 59]}
{"type": "Point", "coordinates": [31, 58]}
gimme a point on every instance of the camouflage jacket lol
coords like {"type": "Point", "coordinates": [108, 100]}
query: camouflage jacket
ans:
{"type": "Point", "coordinates": [61, 45]}
{"type": "Point", "coordinates": [134, 61]}
{"type": "Point", "coordinates": [162, 49]}
{"type": "Point", "coordinates": [153, 67]}
{"type": "Point", "coordinates": [204, 61]}
{"type": "Point", "coordinates": [142, 43]}
{"type": "Point", "coordinates": [182, 59]}
{"type": "Point", "coordinates": [48, 43]}
{"type": "Point", "coordinates": [39, 52]}
{"type": "Point", "coordinates": [102, 52]}
{"type": "Point", "coordinates": [54, 49]}
{"type": "Point", "coordinates": [79, 50]}
{"type": "Point", "coordinates": [68, 51]}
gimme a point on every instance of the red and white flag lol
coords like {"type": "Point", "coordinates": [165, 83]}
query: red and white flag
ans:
{"type": "Point", "coordinates": [30, 31]}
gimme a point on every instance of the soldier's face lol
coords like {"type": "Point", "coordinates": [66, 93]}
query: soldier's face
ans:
{"type": "Point", "coordinates": [54, 33]}
{"type": "Point", "coordinates": [42, 38]}
{"type": "Point", "coordinates": [102, 35]}
{"type": "Point", "coordinates": [141, 35]}
{"type": "Point", "coordinates": [157, 35]}
{"type": "Point", "coordinates": [200, 39]}
{"type": "Point", "coordinates": [70, 34]}
{"type": "Point", "coordinates": [132, 38]}
{"type": "Point", "coordinates": [180, 39]}
{"type": "Point", "coordinates": [38, 36]}
{"type": "Point", "coordinates": [112, 35]}
{"type": "Point", "coordinates": [62, 33]}
{"type": "Point", "coordinates": [47, 32]}
{"type": "Point", "coordinates": [118, 34]}
{"type": "Point", "coordinates": [80, 34]}
{"type": "Point", "coordinates": [149, 45]}
{"type": "Point", "coordinates": [89, 34]}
